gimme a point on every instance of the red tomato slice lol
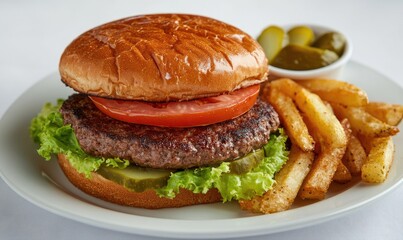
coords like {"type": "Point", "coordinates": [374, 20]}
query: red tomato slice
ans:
{"type": "Point", "coordinates": [191, 113]}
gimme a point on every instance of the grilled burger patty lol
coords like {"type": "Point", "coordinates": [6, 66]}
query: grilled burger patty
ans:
{"type": "Point", "coordinates": [173, 148]}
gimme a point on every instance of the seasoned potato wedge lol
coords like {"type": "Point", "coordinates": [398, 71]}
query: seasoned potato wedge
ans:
{"type": "Point", "coordinates": [364, 123]}
{"type": "Point", "coordinates": [379, 161]}
{"type": "Point", "coordinates": [336, 91]}
{"type": "Point", "coordinates": [342, 174]}
{"type": "Point", "coordinates": [288, 181]}
{"type": "Point", "coordinates": [366, 142]}
{"type": "Point", "coordinates": [325, 165]}
{"type": "Point", "coordinates": [318, 180]}
{"type": "Point", "coordinates": [291, 119]}
{"type": "Point", "coordinates": [252, 205]}
{"type": "Point", "coordinates": [391, 114]}
{"type": "Point", "coordinates": [355, 156]}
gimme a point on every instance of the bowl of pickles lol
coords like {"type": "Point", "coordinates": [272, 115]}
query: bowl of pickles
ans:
{"type": "Point", "coordinates": [305, 51]}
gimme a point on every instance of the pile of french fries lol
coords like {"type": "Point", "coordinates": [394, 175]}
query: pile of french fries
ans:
{"type": "Point", "coordinates": [336, 134]}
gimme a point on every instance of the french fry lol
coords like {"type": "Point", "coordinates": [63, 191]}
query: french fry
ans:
{"type": "Point", "coordinates": [364, 123]}
{"type": "Point", "coordinates": [288, 182]}
{"type": "Point", "coordinates": [318, 180]}
{"type": "Point", "coordinates": [379, 161]}
{"type": "Point", "coordinates": [313, 131]}
{"type": "Point", "coordinates": [291, 119]}
{"type": "Point", "coordinates": [366, 142]}
{"type": "Point", "coordinates": [391, 114]}
{"type": "Point", "coordinates": [252, 205]}
{"type": "Point", "coordinates": [342, 174]}
{"type": "Point", "coordinates": [355, 156]}
{"type": "Point", "coordinates": [336, 91]}
{"type": "Point", "coordinates": [322, 173]}
{"type": "Point", "coordinates": [347, 128]}
{"type": "Point", "coordinates": [287, 86]}
{"type": "Point", "coordinates": [310, 104]}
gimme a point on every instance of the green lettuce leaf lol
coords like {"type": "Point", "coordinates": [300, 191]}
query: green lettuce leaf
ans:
{"type": "Point", "coordinates": [53, 137]}
{"type": "Point", "coordinates": [230, 185]}
{"type": "Point", "coordinates": [47, 129]}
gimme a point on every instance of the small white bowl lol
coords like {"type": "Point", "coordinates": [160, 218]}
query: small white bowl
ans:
{"type": "Point", "coordinates": [332, 71]}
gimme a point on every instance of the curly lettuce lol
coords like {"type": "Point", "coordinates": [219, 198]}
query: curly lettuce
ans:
{"type": "Point", "coordinates": [231, 185]}
{"type": "Point", "coordinates": [47, 129]}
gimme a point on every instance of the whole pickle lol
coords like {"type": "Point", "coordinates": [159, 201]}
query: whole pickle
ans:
{"type": "Point", "coordinates": [296, 57]}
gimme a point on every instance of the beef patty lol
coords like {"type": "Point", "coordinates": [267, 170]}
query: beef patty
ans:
{"type": "Point", "coordinates": [175, 148]}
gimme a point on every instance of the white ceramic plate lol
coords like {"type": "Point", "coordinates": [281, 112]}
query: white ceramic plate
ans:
{"type": "Point", "coordinates": [43, 183]}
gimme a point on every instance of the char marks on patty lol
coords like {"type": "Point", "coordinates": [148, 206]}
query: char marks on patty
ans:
{"type": "Point", "coordinates": [174, 148]}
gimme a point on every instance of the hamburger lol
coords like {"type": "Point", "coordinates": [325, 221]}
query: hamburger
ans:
{"type": "Point", "coordinates": [167, 114]}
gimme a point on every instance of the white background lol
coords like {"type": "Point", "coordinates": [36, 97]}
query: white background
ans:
{"type": "Point", "coordinates": [33, 35]}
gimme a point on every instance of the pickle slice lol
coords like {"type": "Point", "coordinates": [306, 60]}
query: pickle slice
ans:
{"type": "Point", "coordinates": [296, 57]}
{"type": "Point", "coordinates": [272, 39]}
{"type": "Point", "coordinates": [247, 163]}
{"type": "Point", "coordinates": [137, 179]}
{"type": "Point", "coordinates": [301, 35]}
{"type": "Point", "coordinates": [332, 41]}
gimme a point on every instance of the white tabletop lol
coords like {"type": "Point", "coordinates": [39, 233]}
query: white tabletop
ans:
{"type": "Point", "coordinates": [33, 34]}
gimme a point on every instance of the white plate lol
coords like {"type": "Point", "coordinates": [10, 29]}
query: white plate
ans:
{"type": "Point", "coordinates": [43, 183]}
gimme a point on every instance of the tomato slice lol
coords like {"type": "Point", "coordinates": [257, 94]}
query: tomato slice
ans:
{"type": "Point", "coordinates": [198, 112]}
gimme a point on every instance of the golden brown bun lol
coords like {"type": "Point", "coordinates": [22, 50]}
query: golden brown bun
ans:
{"type": "Point", "coordinates": [163, 57]}
{"type": "Point", "coordinates": [107, 190]}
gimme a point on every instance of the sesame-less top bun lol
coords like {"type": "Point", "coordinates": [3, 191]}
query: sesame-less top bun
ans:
{"type": "Point", "coordinates": [162, 57]}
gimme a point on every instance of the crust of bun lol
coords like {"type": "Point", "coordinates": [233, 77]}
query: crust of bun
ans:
{"type": "Point", "coordinates": [163, 57]}
{"type": "Point", "coordinates": [110, 191]}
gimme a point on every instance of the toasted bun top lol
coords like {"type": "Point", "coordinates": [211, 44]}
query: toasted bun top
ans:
{"type": "Point", "coordinates": [162, 57]}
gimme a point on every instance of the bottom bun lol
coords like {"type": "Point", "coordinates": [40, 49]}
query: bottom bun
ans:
{"type": "Point", "coordinates": [110, 191]}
